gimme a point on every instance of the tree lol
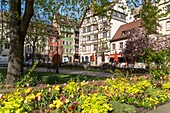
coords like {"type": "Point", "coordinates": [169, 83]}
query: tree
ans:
{"type": "Point", "coordinates": [140, 42]}
{"type": "Point", "coordinates": [36, 37]}
{"type": "Point", "coordinates": [18, 28]}
{"type": "Point", "coordinates": [19, 22]}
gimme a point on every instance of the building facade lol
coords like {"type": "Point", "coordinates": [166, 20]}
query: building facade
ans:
{"type": "Point", "coordinates": [96, 33]}
{"type": "Point", "coordinates": [118, 42]}
{"type": "Point", "coordinates": [164, 22]}
{"type": "Point", "coordinates": [68, 30]}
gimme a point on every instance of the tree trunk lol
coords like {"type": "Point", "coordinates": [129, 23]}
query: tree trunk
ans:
{"type": "Point", "coordinates": [18, 28]}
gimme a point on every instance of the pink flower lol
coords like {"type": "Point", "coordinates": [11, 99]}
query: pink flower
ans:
{"type": "Point", "coordinates": [50, 90]}
{"type": "Point", "coordinates": [39, 98]}
{"type": "Point", "coordinates": [75, 102]}
{"type": "Point", "coordinates": [1, 96]}
{"type": "Point", "coordinates": [63, 98]}
{"type": "Point", "coordinates": [161, 78]}
{"type": "Point", "coordinates": [27, 84]}
{"type": "Point", "coordinates": [25, 102]}
{"type": "Point", "coordinates": [112, 78]}
{"type": "Point", "coordinates": [65, 84]}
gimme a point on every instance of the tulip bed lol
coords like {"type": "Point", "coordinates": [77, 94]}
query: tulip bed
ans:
{"type": "Point", "coordinates": [89, 97]}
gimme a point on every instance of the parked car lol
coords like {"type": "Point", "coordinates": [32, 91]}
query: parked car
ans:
{"type": "Point", "coordinates": [30, 61]}
{"type": "Point", "coordinates": [3, 60]}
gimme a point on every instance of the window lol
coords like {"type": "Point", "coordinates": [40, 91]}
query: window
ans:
{"type": "Point", "coordinates": [29, 47]}
{"type": "Point", "coordinates": [114, 46]}
{"type": "Point", "coordinates": [105, 24]}
{"type": "Point", "coordinates": [168, 25]}
{"type": "Point", "coordinates": [51, 39]}
{"type": "Point", "coordinates": [95, 46]}
{"type": "Point", "coordinates": [123, 16]}
{"type": "Point", "coordinates": [6, 46]}
{"type": "Point", "coordinates": [62, 27]}
{"type": "Point", "coordinates": [84, 30]}
{"type": "Point", "coordinates": [168, 8]}
{"type": "Point", "coordinates": [51, 48]}
{"type": "Point", "coordinates": [104, 34]}
{"type": "Point", "coordinates": [66, 43]}
{"type": "Point", "coordinates": [95, 27]}
{"type": "Point", "coordinates": [66, 50]}
{"type": "Point", "coordinates": [70, 43]}
{"type": "Point", "coordinates": [121, 45]}
{"type": "Point", "coordinates": [89, 12]}
{"type": "Point", "coordinates": [88, 48]}
{"type": "Point", "coordinates": [100, 17]}
{"type": "Point", "coordinates": [57, 40]}
{"type": "Point", "coordinates": [113, 13]}
{"type": "Point", "coordinates": [84, 48]}
{"type": "Point", "coordinates": [88, 20]}
{"type": "Point", "coordinates": [88, 28]}
{"type": "Point", "coordinates": [95, 36]}
{"type": "Point", "coordinates": [70, 50]}
{"type": "Point", "coordinates": [63, 42]}
{"type": "Point", "coordinates": [88, 38]}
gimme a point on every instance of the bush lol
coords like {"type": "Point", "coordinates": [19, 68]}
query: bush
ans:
{"type": "Point", "coordinates": [122, 107]}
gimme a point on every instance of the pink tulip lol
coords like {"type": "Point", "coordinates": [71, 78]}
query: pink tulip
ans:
{"type": "Point", "coordinates": [1, 96]}
{"type": "Point", "coordinates": [39, 98]}
{"type": "Point", "coordinates": [25, 102]}
{"type": "Point", "coordinates": [50, 90]}
{"type": "Point", "coordinates": [27, 84]}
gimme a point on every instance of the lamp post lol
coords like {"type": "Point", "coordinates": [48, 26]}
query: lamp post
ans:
{"type": "Point", "coordinates": [57, 65]}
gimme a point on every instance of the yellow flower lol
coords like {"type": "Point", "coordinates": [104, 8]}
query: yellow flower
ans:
{"type": "Point", "coordinates": [67, 101]}
{"type": "Point", "coordinates": [48, 85]}
{"type": "Point", "coordinates": [82, 83]}
{"type": "Point", "coordinates": [31, 97]}
{"type": "Point", "coordinates": [38, 94]}
{"type": "Point", "coordinates": [59, 104]}
{"type": "Point", "coordinates": [51, 105]}
{"type": "Point", "coordinates": [28, 90]}
{"type": "Point", "coordinates": [57, 87]}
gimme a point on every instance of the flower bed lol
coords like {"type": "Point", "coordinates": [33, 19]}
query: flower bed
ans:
{"type": "Point", "coordinates": [108, 96]}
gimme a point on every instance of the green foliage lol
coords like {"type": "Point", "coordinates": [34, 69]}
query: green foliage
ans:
{"type": "Point", "coordinates": [2, 78]}
{"type": "Point", "coordinates": [27, 78]}
{"type": "Point", "coordinates": [150, 14]}
{"type": "Point", "coordinates": [122, 107]}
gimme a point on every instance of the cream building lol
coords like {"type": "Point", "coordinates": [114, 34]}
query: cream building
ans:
{"type": "Point", "coordinates": [96, 33]}
{"type": "Point", "coordinates": [165, 21]}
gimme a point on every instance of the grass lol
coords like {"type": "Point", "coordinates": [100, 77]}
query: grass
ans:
{"type": "Point", "coordinates": [52, 78]}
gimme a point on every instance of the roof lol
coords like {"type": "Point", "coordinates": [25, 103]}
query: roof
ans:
{"type": "Point", "coordinates": [119, 34]}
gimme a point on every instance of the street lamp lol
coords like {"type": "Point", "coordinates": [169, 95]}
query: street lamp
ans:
{"type": "Point", "coordinates": [57, 65]}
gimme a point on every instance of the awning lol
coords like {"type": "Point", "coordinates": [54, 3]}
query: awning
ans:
{"type": "Point", "coordinates": [116, 57]}
{"type": "Point", "coordinates": [92, 57]}
{"type": "Point", "coordinates": [112, 55]}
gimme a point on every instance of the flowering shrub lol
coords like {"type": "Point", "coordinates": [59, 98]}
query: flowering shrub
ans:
{"type": "Point", "coordinates": [89, 97]}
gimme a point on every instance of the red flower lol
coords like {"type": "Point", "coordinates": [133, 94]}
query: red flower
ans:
{"type": "Point", "coordinates": [70, 108]}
